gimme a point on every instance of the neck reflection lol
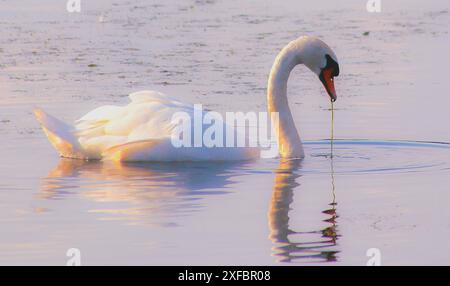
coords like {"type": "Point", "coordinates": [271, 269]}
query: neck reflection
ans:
{"type": "Point", "coordinates": [299, 246]}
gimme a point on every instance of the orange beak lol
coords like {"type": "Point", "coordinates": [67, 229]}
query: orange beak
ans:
{"type": "Point", "coordinates": [326, 77]}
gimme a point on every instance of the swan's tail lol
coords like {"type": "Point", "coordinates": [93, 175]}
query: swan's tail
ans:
{"type": "Point", "coordinates": [61, 135]}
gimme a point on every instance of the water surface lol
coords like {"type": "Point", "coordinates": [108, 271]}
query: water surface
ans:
{"type": "Point", "coordinates": [388, 191]}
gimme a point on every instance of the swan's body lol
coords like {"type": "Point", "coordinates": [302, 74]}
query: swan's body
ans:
{"type": "Point", "coordinates": [142, 130]}
{"type": "Point", "coordinates": [139, 131]}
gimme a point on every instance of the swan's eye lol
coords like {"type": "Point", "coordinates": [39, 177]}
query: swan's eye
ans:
{"type": "Point", "coordinates": [336, 71]}
{"type": "Point", "coordinates": [332, 65]}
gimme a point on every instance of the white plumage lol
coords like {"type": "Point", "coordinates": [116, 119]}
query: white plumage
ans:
{"type": "Point", "coordinates": [139, 131]}
{"type": "Point", "coordinates": [143, 129]}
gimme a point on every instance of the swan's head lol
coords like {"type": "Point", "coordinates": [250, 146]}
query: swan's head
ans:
{"type": "Point", "coordinates": [321, 60]}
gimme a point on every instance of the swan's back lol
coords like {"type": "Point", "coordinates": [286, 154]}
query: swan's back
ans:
{"type": "Point", "coordinates": [139, 131]}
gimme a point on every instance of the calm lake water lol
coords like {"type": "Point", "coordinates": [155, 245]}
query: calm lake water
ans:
{"type": "Point", "coordinates": [386, 186]}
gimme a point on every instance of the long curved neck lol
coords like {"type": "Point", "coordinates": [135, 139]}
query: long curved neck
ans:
{"type": "Point", "coordinates": [289, 143]}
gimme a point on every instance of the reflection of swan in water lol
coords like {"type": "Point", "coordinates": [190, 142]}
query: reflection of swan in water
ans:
{"type": "Point", "coordinates": [285, 249]}
{"type": "Point", "coordinates": [139, 192]}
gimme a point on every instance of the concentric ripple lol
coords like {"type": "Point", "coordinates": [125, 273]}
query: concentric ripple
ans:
{"type": "Point", "coordinates": [355, 156]}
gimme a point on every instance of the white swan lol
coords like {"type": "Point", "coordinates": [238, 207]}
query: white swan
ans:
{"type": "Point", "coordinates": [142, 130]}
